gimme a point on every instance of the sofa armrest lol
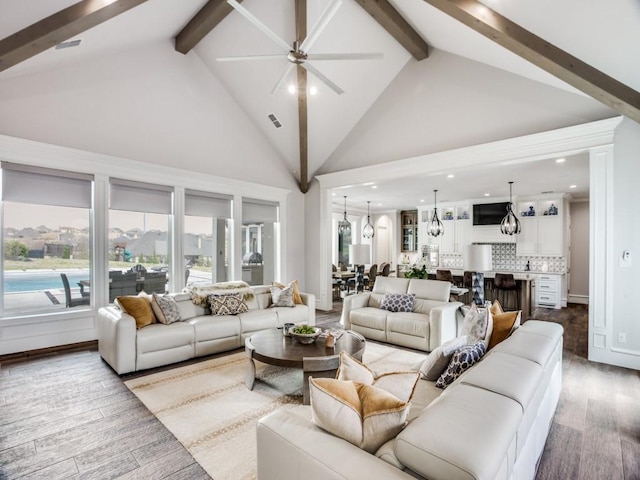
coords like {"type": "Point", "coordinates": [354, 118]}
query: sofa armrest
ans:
{"type": "Point", "coordinates": [443, 324]}
{"type": "Point", "coordinates": [351, 302]}
{"type": "Point", "coordinates": [117, 339]}
{"type": "Point", "coordinates": [309, 300]}
{"type": "Point", "coordinates": [291, 447]}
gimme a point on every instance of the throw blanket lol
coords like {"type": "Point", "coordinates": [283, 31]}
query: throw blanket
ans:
{"type": "Point", "coordinates": [200, 292]}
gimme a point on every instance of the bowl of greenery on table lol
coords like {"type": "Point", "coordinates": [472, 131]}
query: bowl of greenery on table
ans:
{"type": "Point", "coordinates": [305, 334]}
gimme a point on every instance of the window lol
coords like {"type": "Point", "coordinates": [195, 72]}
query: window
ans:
{"type": "Point", "coordinates": [260, 231]}
{"type": "Point", "coordinates": [139, 240]}
{"type": "Point", "coordinates": [46, 240]}
{"type": "Point", "coordinates": [207, 237]}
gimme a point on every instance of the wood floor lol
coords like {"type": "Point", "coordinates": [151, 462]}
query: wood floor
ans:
{"type": "Point", "coordinates": [67, 415]}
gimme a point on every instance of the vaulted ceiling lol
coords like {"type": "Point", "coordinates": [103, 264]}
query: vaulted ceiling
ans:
{"type": "Point", "coordinates": [583, 48]}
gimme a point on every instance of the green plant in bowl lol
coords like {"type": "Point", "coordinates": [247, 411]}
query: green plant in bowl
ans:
{"type": "Point", "coordinates": [305, 334]}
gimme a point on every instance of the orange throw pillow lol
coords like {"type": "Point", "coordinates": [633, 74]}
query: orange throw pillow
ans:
{"type": "Point", "coordinates": [139, 308]}
{"type": "Point", "coordinates": [503, 325]}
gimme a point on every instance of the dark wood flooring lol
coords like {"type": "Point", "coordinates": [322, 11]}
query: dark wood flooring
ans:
{"type": "Point", "coordinates": [67, 415]}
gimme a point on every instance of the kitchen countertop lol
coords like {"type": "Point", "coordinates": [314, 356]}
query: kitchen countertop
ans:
{"type": "Point", "coordinates": [517, 274]}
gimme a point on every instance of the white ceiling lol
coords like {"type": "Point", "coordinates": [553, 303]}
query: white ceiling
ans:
{"type": "Point", "coordinates": [530, 178]}
{"type": "Point", "coordinates": [593, 31]}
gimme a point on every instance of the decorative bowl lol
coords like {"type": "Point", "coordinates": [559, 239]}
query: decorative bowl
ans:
{"type": "Point", "coordinates": [306, 338]}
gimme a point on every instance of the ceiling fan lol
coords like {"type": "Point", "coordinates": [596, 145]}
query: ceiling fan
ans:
{"type": "Point", "coordinates": [297, 53]}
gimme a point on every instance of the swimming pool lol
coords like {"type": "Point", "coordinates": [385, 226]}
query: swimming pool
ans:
{"type": "Point", "coordinates": [35, 281]}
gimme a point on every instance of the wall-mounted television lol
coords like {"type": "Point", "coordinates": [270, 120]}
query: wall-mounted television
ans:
{"type": "Point", "coordinates": [489, 213]}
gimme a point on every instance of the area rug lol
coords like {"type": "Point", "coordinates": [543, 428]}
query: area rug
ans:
{"type": "Point", "coordinates": [212, 413]}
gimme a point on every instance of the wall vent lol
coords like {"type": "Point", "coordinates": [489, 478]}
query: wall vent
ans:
{"type": "Point", "coordinates": [70, 43]}
{"type": "Point", "coordinates": [274, 120]}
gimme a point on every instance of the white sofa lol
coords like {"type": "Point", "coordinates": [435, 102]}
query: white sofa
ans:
{"type": "Point", "coordinates": [432, 322]}
{"type": "Point", "coordinates": [490, 424]}
{"type": "Point", "coordinates": [128, 349]}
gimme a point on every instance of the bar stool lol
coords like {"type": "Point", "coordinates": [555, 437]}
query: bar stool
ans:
{"type": "Point", "coordinates": [444, 275]}
{"type": "Point", "coordinates": [505, 283]}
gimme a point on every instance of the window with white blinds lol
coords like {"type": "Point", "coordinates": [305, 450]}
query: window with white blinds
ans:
{"type": "Point", "coordinates": [140, 197]}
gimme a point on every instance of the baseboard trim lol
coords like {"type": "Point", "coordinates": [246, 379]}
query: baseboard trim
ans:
{"type": "Point", "coordinates": [11, 357]}
{"type": "Point", "coordinates": [583, 299]}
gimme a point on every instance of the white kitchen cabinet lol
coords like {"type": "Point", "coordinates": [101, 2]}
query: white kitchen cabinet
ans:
{"type": "Point", "coordinates": [457, 229]}
{"type": "Point", "coordinates": [548, 290]}
{"type": "Point", "coordinates": [542, 227]}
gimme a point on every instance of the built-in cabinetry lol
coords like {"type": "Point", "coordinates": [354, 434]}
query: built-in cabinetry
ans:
{"type": "Point", "coordinates": [409, 239]}
{"type": "Point", "coordinates": [542, 222]}
{"type": "Point", "coordinates": [548, 290]}
{"type": "Point", "coordinates": [456, 220]}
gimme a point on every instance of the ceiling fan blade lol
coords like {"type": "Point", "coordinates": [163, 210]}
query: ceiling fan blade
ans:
{"type": "Point", "coordinates": [250, 57]}
{"type": "Point", "coordinates": [261, 26]}
{"type": "Point", "coordinates": [345, 56]}
{"type": "Point", "coordinates": [320, 76]}
{"type": "Point", "coordinates": [282, 79]}
{"type": "Point", "coordinates": [320, 25]}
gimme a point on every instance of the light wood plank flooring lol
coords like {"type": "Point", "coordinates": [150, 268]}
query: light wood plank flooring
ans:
{"type": "Point", "coordinates": [67, 415]}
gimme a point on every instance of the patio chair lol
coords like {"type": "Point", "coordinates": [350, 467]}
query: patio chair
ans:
{"type": "Point", "coordinates": [154, 282]}
{"type": "Point", "coordinates": [70, 301]}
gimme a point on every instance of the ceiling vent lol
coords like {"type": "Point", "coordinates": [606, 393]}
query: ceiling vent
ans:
{"type": "Point", "coordinates": [274, 120]}
{"type": "Point", "coordinates": [70, 43]}
{"type": "Point", "coordinates": [547, 191]}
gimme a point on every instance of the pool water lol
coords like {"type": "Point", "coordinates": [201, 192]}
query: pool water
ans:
{"type": "Point", "coordinates": [34, 281]}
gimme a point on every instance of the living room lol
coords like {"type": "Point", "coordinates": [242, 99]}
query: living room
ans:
{"type": "Point", "coordinates": [144, 113]}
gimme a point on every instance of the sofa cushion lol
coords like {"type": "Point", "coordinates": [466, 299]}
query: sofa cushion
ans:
{"type": "Point", "coordinates": [397, 302]}
{"type": "Point", "coordinates": [297, 314]}
{"type": "Point", "coordinates": [461, 361]}
{"type": "Point", "coordinates": [210, 327]}
{"type": "Point", "coordinates": [408, 323]}
{"type": "Point", "coordinates": [369, 317]}
{"type": "Point", "coordinates": [466, 434]}
{"type": "Point", "coordinates": [399, 384]}
{"type": "Point", "coordinates": [255, 320]}
{"type": "Point", "coordinates": [438, 360]}
{"type": "Point", "coordinates": [186, 307]}
{"type": "Point", "coordinates": [227, 304]}
{"type": "Point", "coordinates": [360, 414]}
{"type": "Point", "coordinates": [532, 346]}
{"type": "Point", "coordinates": [430, 289]}
{"type": "Point", "coordinates": [385, 285]}
{"type": "Point", "coordinates": [158, 337]}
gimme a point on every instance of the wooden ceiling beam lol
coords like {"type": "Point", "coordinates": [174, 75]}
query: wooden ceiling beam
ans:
{"type": "Point", "coordinates": [388, 17]}
{"type": "Point", "coordinates": [303, 117]}
{"type": "Point", "coordinates": [59, 27]}
{"type": "Point", "coordinates": [543, 54]}
{"type": "Point", "coordinates": [209, 16]}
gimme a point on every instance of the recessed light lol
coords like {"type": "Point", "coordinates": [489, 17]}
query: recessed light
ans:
{"type": "Point", "coordinates": [379, 204]}
{"type": "Point", "coordinates": [374, 186]}
{"type": "Point", "coordinates": [333, 194]}
{"type": "Point", "coordinates": [313, 90]}
{"type": "Point", "coordinates": [560, 160]}
{"type": "Point", "coordinates": [487, 194]}
{"type": "Point", "coordinates": [292, 89]}
{"type": "Point", "coordinates": [451, 175]}
{"type": "Point", "coordinates": [422, 200]}
{"type": "Point", "coordinates": [572, 186]}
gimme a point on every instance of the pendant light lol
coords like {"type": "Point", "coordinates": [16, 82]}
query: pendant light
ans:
{"type": "Point", "coordinates": [435, 227]}
{"type": "Point", "coordinates": [367, 230]}
{"type": "Point", "coordinates": [510, 225]}
{"type": "Point", "coordinates": [344, 226]}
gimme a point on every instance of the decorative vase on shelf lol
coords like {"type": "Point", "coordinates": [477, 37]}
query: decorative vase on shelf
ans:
{"type": "Point", "coordinates": [532, 212]}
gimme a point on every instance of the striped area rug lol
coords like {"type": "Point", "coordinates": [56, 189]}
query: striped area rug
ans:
{"type": "Point", "coordinates": [211, 412]}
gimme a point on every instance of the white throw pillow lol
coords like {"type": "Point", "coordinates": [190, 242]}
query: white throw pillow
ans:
{"type": "Point", "coordinates": [475, 324]}
{"type": "Point", "coordinates": [282, 297]}
{"type": "Point", "coordinates": [165, 308]}
{"type": "Point", "coordinates": [363, 415]}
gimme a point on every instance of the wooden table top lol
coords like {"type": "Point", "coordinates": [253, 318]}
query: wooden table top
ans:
{"type": "Point", "coordinates": [272, 347]}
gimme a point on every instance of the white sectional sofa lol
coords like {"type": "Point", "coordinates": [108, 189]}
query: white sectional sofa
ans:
{"type": "Point", "coordinates": [490, 424]}
{"type": "Point", "coordinates": [432, 322]}
{"type": "Point", "coordinates": [128, 349]}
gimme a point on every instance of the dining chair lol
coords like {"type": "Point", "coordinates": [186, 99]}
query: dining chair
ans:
{"type": "Point", "coordinates": [370, 278]}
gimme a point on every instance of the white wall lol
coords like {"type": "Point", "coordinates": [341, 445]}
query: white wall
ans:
{"type": "Point", "coordinates": [626, 236]}
{"type": "Point", "coordinates": [579, 242]}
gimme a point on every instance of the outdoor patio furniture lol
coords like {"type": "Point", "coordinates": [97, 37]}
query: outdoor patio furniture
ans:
{"type": "Point", "coordinates": [69, 300]}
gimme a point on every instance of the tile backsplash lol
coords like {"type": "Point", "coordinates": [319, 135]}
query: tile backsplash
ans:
{"type": "Point", "coordinates": [505, 258]}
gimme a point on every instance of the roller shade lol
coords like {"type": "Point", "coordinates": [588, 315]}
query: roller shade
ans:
{"type": "Point", "coordinates": [44, 186]}
{"type": "Point", "coordinates": [258, 211]}
{"type": "Point", "coordinates": [140, 197]}
{"type": "Point", "coordinates": [205, 204]}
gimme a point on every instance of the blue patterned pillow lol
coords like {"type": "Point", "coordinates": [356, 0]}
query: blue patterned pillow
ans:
{"type": "Point", "coordinates": [461, 361]}
{"type": "Point", "coordinates": [398, 302]}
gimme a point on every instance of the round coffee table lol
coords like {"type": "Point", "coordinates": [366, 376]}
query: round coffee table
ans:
{"type": "Point", "coordinates": [272, 347]}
